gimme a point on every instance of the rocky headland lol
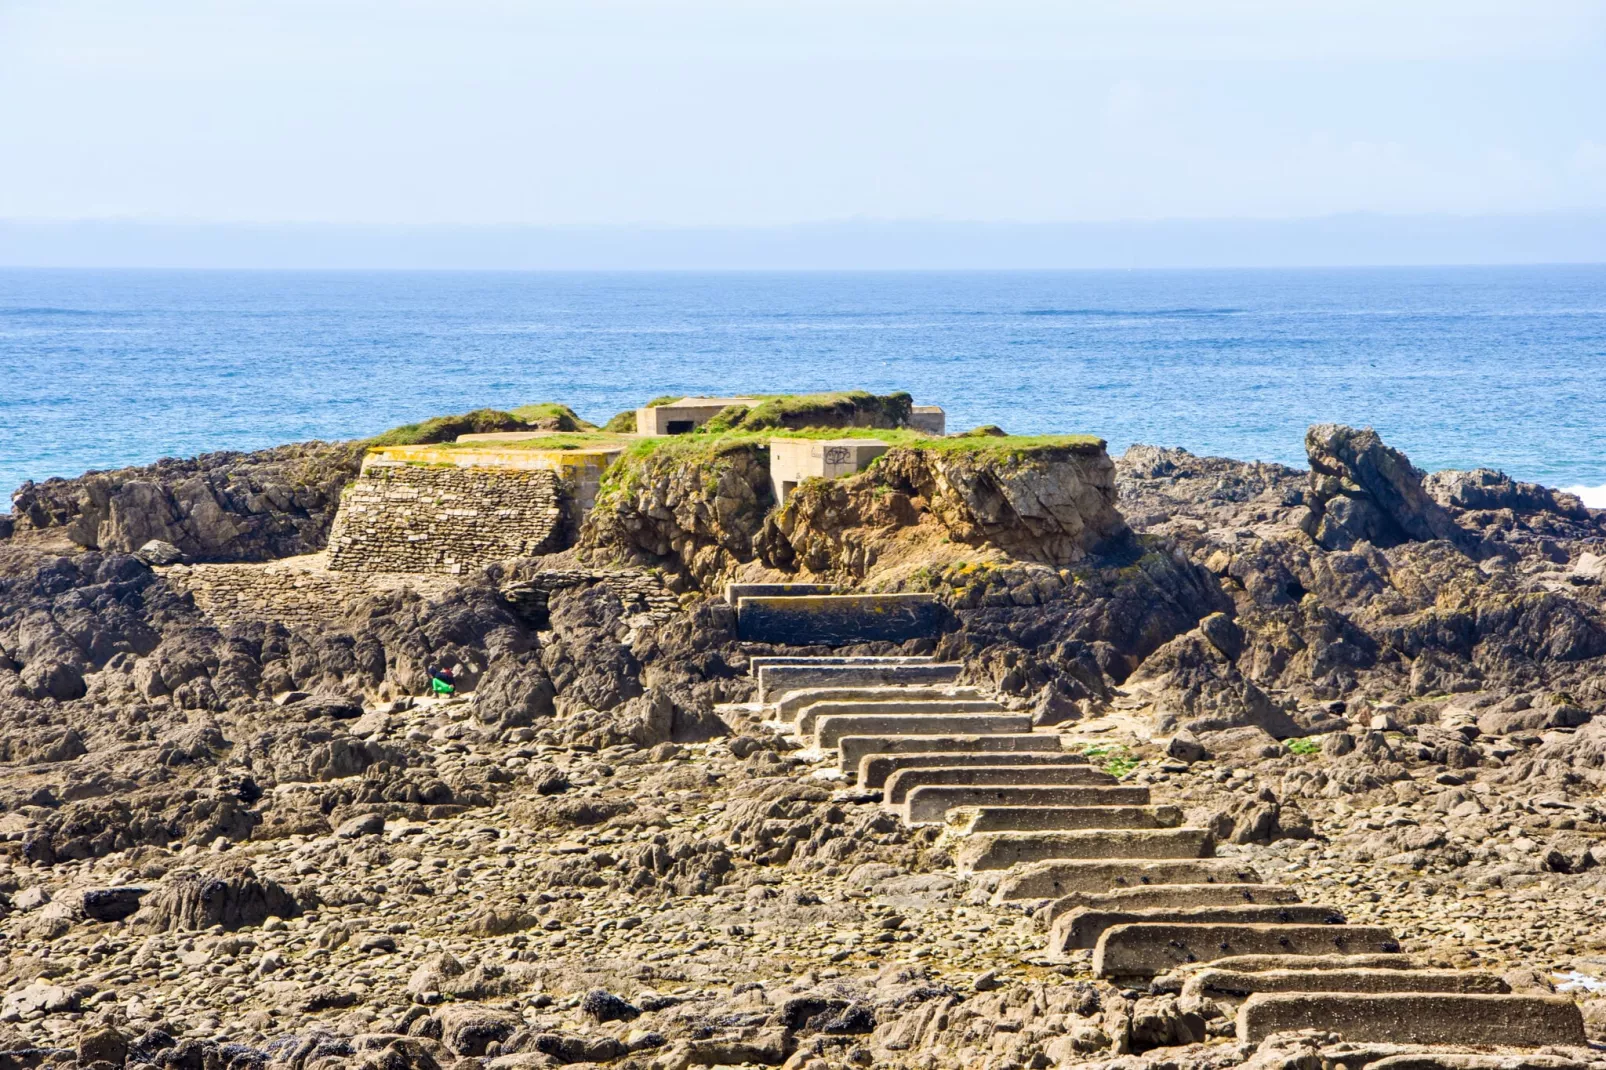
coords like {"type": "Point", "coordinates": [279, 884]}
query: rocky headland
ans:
{"type": "Point", "coordinates": [237, 830]}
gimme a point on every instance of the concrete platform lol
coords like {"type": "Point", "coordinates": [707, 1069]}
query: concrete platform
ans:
{"type": "Point", "coordinates": [1179, 896]}
{"type": "Point", "coordinates": [897, 787]}
{"type": "Point", "coordinates": [776, 680]}
{"type": "Point", "coordinates": [809, 620]}
{"type": "Point", "coordinates": [828, 731]}
{"type": "Point", "coordinates": [971, 820]}
{"type": "Point", "coordinates": [1080, 929]}
{"type": "Point", "coordinates": [736, 591]}
{"type": "Point", "coordinates": [810, 715]}
{"type": "Point", "coordinates": [932, 804]}
{"type": "Point", "coordinates": [1053, 878]}
{"type": "Point", "coordinates": [1147, 948]}
{"type": "Point", "coordinates": [1000, 850]}
{"type": "Point", "coordinates": [1416, 1018]}
{"type": "Point", "coordinates": [788, 705]}
{"type": "Point", "coordinates": [854, 749]}
{"type": "Point", "coordinates": [874, 769]}
{"type": "Point", "coordinates": [759, 661]}
{"type": "Point", "coordinates": [1215, 983]}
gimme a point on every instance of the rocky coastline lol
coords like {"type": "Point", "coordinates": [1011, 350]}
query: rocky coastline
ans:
{"type": "Point", "coordinates": [236, 830]}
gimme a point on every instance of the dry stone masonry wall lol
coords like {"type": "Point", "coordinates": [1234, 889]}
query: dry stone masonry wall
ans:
{"type": "Point", "coordinates": [416, 518]}
{"type": "Point", "coordinates": [298, 592]}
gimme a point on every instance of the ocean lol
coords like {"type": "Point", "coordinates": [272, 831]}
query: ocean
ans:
{"type": "Point", "coordinates": [1460, 367]}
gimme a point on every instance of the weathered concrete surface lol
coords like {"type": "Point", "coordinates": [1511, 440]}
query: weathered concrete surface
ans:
{"type": "Point", "coordinates": [874, 769]}
{"type": "Point", "coordinates": [810, 715]}
{"type": "Point", "coordinates": [871, 660]}
{"type": "Point", "coordinates": [1053, 878]}
{"type": "Point", "coordinates": [829, 730]}
{"type": "Point", "coordinates": [1263, 963]}
{"type": "Point", "coordinates": [1416, 1018]}
{"type": "Point", "coordinates": [788, 705]}
{"type": "Point", "coordinates": [1082, 927]}
{"type": "Point", "coordinates": [776, 680]}
{"type": "Point", "coordinates": [1148, 948]}
{"type": "Point", "coordinates": [854, 749]}
{"type": "Point", "coordinates": [839, 618]}
{"type": "Point", "coordinates": [931, 805]}
{"type": "Point", "coordinates": [1184, 896]}
{"type": "Point", "coordinates": [735, 591]}
{"type": "Point", "coordinates": [898, 786]}
{"type": "Point", "coordinates": [1047, 817]}
{"type": "Point", "coordinates": [1240, 984]}
{"type": "Point", "coordinates": [1000, 850]}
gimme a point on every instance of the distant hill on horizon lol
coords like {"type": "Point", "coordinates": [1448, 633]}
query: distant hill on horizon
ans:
{"type": "Point", "coordinates": [1349, 240]}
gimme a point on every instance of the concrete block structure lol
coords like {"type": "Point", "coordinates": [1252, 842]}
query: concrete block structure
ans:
{"type": "Point", "coordinates": [840, 618]}
{"type": "Point", "coordinates": [792, 460]}
{"type": "Point", "coordinates": [683, 416]}
{"type": "Point", "coordinates": [930, 419]}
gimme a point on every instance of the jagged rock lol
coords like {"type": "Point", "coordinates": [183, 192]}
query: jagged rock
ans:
{"type": "Point", "coordinates": [1361, 490]}
{"type": "Point", "coordinates": [157, 552]}
{"type": "Point", "coordinates": [112, 904]}
{"type": "Point", "coordinates": [468, 1029]}
{"type": "Point", "coordinates": [1485, 488]}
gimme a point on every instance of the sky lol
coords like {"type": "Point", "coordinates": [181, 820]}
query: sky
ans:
{"type": "Point", "coordinates": [757, 112]}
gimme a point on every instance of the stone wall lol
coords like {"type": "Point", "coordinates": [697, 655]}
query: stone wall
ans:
{"type": "Point", "coordinates": [417, 518]}
{"type": "Point", "coordinates": [298, 592]}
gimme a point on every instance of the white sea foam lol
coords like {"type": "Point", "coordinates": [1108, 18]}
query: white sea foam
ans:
{"type": "Point", "coordinates": [1594, 497]}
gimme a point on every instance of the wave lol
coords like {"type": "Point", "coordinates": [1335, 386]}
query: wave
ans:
{"type": "Point", "coordinates": [1594, 497]}
{"type": "Point", "coordinates": [1144, 312]}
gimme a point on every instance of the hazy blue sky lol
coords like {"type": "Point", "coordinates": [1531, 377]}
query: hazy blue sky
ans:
{"type": "Point", "coordinates": [748, 111]}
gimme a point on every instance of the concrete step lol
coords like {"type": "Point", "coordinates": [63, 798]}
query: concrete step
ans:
{"type": "Point", "coordinates": [1054, 878]}
{"type": "Point", "coordinates": [874, 769]}
{"type": "Point", "coordinates": [1416, 1018]}
{"type": "Point", "coordinates": [788, 705]}
{"type": "Point", "coordinates": [1000, 850]}
{"type": "Point", "coordinates": [777, 680]}
{"type": "Point", "coordinates": [898, 786]}
{"type": "Point", "coordinates": [857, 748]}
{"type": "Point", "coordinates": [810, 715]}
{"type": "Point", "coordinates": [932, 804]}
{"type": "Point", "coordinates": [1178, 896]}
{"type": "Point", "coordinates": [1035, 817]}
{"type": "Point", "coordinates": [837, 619]}
{"type": "Point", "coordinates": [1147, 948]}
{"type": "Point", "coordinates": [1080, 929]}
{"type": "Point", "coordinates": [734, 592]}
{"type": "Point", "coordinates": [1175, 980]}
{"type": "Point", "coordinates": [828, 731]}
{"type": "Point", "coordinates": [1215, 983]}
{"type": "Point", "coordinates": [871, 660]}
{"type": "Point", "coordinates": [1439, 1059]}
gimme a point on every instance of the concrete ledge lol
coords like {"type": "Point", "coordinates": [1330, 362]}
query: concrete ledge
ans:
{"type": "Point", "coordinates": [874, 769]}
{"type": "Point", "coordinates": [1000, 850]}
{"type": "Point", "coordinates": [854, 749]}
{"type": "Point", "coordinates": [737, 591]}
{"type": "Point", "coordinates": [1105, 813]}
{"type": "Point", "coordinates": [1053, 878]}
{"type": "Point", "coordinates": [839, 618]}
{"type": "Point", "coordinates": [828, 730]}
{"type": "Point", "coordinates": [1514, 1021]}
{"type": "Point", "coordinates": [1182, 896]}
{"type": "Point", "coordinates": [1264, 963]}
{"type": "Point", "coordinates": [759, 661]}
{"type": "Point", "coordinates": [1082, 927]}
{"type": "Point", "coordinates": [777, 680]}
{"type": "Point", "coordinates": [931, 805]}
{"type": "Point", "coordinates": [1053, 774]}
{"type": "Point", "coordinates": [810, 715]}
{"type": "Point", "coordinates": [789, 704]}
{"type": "Point", "coordinates": [1147, 948]}
{"type": "Point", "coordinates": [1211, 983]}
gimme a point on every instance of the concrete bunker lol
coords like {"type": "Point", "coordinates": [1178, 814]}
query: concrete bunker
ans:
{"type": "Point", "coordinates": [792, 460]}
{"type": "Point", "coordinates": [684, 416]}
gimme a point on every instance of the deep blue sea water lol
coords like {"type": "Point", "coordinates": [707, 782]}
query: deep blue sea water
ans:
{"type": "Point", "coordinates": [1458, 366]}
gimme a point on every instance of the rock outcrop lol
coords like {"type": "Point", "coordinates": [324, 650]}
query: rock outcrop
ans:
{"type": "Point", "coordinates": [1362, 490]}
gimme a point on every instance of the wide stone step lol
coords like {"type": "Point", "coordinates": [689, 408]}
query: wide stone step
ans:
{"type": "Point", "coordinates": [934, 804]}
{"type": "Point", "coordinates": [1177, 979]}
{"type": "Point", "coordinates": [828, 731]}
{"type": "Point", "coordinates": [777, 680]}
{"type": "Point", "coordinates": [1000, 850]}
{"type": "Point", "coordinates": [788, 705]}
{"type": "Point", "coordinates": [854, 749]}
{"type": "Point", "coordinates": [1028, 816]}
{"type": "Point", "coordinates": [1416, 1018]}
{"type": "Point", "coordinates": [874, 769]}
{"type": "Point", "coordinates": [1180, 896]}
{"type": "Point", "coordinates": [1439, 1059]}
{"type": "Point", "coordinates": [1218, 984]}
{"type": "Point", "coordinates": [900, 784]}
{"type": "Point", "coordinates": [1080, 929]}
{"type": "Point", "coordinates": [1054, 878]}
{"type": "Point", "coordinates": [1147, 948]}
{"type": "Point", "coordinates": [810, 716]}
{"type": "Point", "coordinates": [870, 660]}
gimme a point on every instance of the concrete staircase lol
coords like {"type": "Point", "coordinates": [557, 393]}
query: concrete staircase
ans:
{"type": "Point", "coordinates": [1118, 875]}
